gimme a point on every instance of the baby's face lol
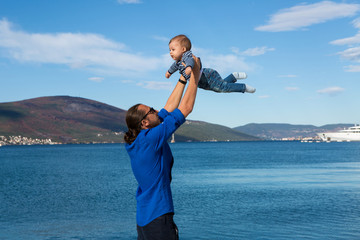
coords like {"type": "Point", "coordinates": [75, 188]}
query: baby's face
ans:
{"type": "Point", "coordinates": [176, 51]}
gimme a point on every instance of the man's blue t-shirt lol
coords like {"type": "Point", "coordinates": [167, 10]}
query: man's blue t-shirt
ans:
{"type": "Point", "coordinates": [151, 162]}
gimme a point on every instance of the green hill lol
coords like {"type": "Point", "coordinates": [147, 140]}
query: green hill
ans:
{"type": "Point", "coordinates": [202, 131]}
{"type": "Point", "coordinates": [62, 119]}
{"type": "Point", "coordinates": [67, 119]}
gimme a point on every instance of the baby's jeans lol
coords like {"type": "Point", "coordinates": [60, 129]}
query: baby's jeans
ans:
{"type": "Point", "coordinates": [211, 80]}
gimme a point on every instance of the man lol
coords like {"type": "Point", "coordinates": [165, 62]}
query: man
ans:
{"type": "Point", "coordinates": [152, 160]}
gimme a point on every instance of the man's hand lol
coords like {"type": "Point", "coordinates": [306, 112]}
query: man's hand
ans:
{"type": "Point", "coordinates": [188, 70]}
{"type": "Point", "coordinates": [196, 69]}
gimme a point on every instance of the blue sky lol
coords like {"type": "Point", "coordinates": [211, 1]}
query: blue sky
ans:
{"type": "Point", "coordinates": [302, 57]}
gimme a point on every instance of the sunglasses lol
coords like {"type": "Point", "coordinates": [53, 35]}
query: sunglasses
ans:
{"type": "Point", "coordinates": [152, 110]}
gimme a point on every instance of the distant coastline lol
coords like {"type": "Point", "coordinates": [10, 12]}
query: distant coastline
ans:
{"type": "Point", "coordinates": [74, 120]}
{"type": "Point", "coordinates": [20, 140]}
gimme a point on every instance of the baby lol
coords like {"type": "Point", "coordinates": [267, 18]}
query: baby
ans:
{"type": "Point", "coordinates": [210, 79]}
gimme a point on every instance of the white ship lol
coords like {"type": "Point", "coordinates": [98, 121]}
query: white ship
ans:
{"type": "Point", "coordinates": [350, 134]}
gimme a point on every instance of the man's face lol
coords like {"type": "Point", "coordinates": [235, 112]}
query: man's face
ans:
{"type": "Point", "coordinates": [150, 118]}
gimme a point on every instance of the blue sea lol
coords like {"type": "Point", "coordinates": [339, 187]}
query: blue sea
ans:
{"type": "Point", "coordinates": [232, 190]}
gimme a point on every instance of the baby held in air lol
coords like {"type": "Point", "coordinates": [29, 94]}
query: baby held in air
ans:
{"type": "Point", "coordinates": [180, 51]}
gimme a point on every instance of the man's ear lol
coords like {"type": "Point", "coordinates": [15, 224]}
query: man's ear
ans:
{"type": "Point", "coordinates": [144, 124]}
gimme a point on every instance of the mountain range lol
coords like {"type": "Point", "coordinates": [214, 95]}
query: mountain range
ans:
{"type": "Point", "coordinates": [68, 119]}
{"type": "Point", "coordinates": [276, 131]}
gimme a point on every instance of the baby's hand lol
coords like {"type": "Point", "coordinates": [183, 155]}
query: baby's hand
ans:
{"type": "Point", "coordinates": [167, 74]}
{"type": "Point", "coordinates": [188, 70]}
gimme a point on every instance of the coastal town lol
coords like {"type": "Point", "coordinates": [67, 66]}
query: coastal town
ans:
{"type": "Point", "coordinates": [20, 140]}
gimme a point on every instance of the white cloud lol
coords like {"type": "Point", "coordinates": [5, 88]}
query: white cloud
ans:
{"type": "Point", "coordinates": [223, 63]}
{"type": "Point", "coordinates": [356, 23]}
{"type": "Point", "coordinates": [291, 89]}
{"type": "Point", "coordinates": [257, 51]}
{"type": "Point", "coordinates": [332, 91]}
{"type": "Point", "coordinates": [227, 63]}
{"type": "Point", "coordinates": [352, 54]}
{"type": "Point", "coordinates": [288, 76]}
{"type": "Point", "coordinates": [305, 15]}
{"type": "Point", "coordinates": [153, 85]}
{"type": "Point", "coordinates": [160, 38]}
{"type": "Point", "coordinates": [352, 68]}
{"type": "Point", "coordinates": [350, 40]}
{"type": "Point", "coordinates": [264, 96]}
{"type": "Point", "coordinates": [235, 50]}
{"type": "Point", "coordinates": [252, 51]}
{"type": "Point", "coordinates": [96, 79]}
{"type": "Point", "coordinates": [97, 54]}
{"type": "Point", "coordinates": [127, 81]}
{"type": "Point", "coordinates": [129, 1]}
{"type": "Point", "coordinates": [77, 50]}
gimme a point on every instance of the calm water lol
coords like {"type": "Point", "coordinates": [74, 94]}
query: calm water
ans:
{"type": "Point", "coordinates": [241, 190]}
